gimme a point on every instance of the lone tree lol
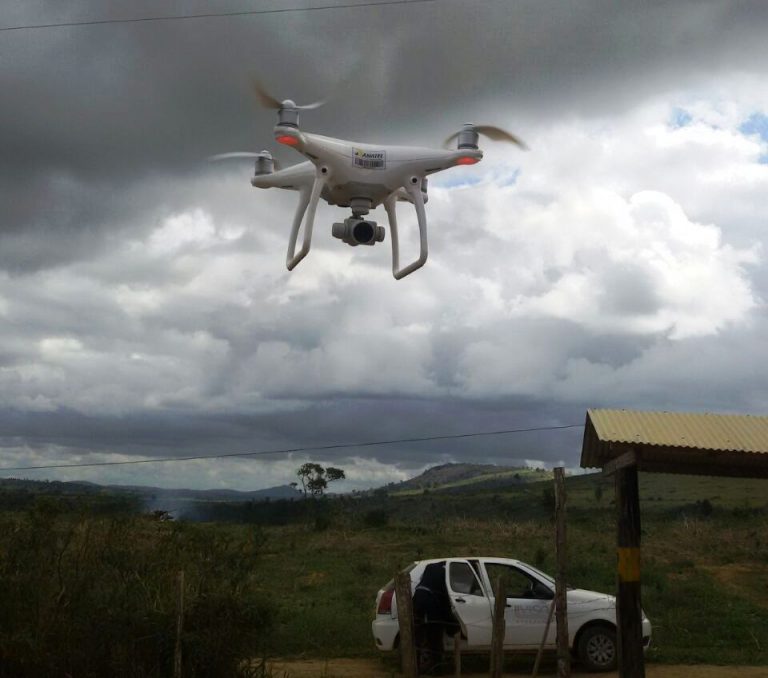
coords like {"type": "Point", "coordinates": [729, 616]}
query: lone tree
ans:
{"type": "Point", "coordinates": [314, 478]}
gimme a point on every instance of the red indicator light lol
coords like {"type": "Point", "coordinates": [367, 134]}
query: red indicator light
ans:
{"type": "Point", "coordinates": [466, 160]}
{"type": "Point", "coordinates": [287, 140]}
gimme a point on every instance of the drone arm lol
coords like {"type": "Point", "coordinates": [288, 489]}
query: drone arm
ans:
{"type": "Point", "coordinates": [308, 200]}
{"type": "Point", "coordinates": [416, 196]}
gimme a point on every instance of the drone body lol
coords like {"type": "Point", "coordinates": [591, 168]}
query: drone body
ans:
{"type": "Point", "coordinates": [360, 177]}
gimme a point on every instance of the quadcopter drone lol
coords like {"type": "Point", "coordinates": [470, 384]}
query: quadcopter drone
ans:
{"type": "Point", "coordinates": [358, 176]}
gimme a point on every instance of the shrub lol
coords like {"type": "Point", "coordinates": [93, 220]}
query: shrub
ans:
{"type": "Point", "coordinates": [88, 596]}
{"type": "Point", "coordinates": [376, 518]}
{"type": "Point", "coordinates": [323, 521]}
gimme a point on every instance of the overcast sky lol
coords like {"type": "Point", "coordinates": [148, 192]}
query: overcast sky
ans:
{"type": "Point", "coordinates": [145, 308]}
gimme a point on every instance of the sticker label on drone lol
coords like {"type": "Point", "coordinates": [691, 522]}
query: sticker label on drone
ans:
{"type": "Point", "coordinates": [369, 159]}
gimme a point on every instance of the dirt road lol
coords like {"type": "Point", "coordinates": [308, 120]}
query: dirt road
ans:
{"type": "Point", "coordinates": [371, 668]}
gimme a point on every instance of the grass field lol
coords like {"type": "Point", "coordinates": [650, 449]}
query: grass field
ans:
{"type": "Point", "coordinates": [308, 572]}
{"type": "Point", "coordinates": [705, 550]}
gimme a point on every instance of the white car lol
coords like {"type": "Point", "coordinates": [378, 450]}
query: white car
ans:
{"type": "Point", "coordinates": [530, 593]}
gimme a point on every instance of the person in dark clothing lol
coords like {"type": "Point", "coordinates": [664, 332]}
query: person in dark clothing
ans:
{"type": "Point", "coordinates": [433, 616]}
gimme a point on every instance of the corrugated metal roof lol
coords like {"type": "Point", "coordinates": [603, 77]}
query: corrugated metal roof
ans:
{"type": "Point", "coordinates": [735, 432]}
{"type": "Point", "coordinates": [679, 442]}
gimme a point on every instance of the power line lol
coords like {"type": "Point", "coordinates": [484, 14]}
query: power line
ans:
{"type": "Point", "coordinates": [210, 15]}
{"type": "Point", "coordinates": [314, 448]}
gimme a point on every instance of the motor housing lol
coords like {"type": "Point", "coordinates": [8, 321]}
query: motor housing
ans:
{"type": "Point", "coordinates": [264, 164]}
{"type": "Point", "coordinates": [468, 137]}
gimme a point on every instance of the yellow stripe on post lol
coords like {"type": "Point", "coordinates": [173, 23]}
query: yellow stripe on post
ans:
{"type": "Point", "coordinates": [629, 564]}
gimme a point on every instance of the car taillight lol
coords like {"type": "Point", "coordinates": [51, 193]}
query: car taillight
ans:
{"type": "Point", "coordinates": [385, 602]}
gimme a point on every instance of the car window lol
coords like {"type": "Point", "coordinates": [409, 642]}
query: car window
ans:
{"type": "Point", "coordinates": [543, 575]}
{"type": "Point", "coordinates": [518, 584]}
{"type": "Point", "coordinates": [462, 579]}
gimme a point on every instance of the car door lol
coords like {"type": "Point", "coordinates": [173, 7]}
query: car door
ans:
{"type": "Point", "coordinates": [527, 605]}
{"type": "Point", "coordinates": [469, 602]}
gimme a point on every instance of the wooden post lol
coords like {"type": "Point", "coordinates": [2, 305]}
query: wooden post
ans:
{"type": "Point", "coordinates": [543, 640]}
{"type": "Point", "coordinates": [457, 654]}
{"type": "Point", "coordinates": [561, 601]}
{"type": "Point", "coordinates": [499, 628]}
{"type": "Point", "coordinates": [179, 625]}
{"type": "Point", "coordinates": [405, 620]}
{"type": "Point", "coordinates": [628, 608]}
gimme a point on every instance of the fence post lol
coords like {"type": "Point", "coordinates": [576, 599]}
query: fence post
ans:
{"type": "Point", "coordinates": [179, 625]}
{"type": "Point", "coordinates": [561, 600]}
{"type": "Point", "coordinates": [405, 621]}
{"type": "Point", "coordinates": [499, 628]}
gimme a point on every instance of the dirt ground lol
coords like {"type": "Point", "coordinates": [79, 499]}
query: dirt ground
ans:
{"type": "Point", "coordinates": [365, 668]}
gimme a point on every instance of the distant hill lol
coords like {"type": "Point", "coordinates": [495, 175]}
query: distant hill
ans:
{"type": "Point", "coordinates": [461, 477]}
{"type": "Point", "coordinates": [277, 492]}
{"type": "Point", "coordinates": [150, 495]}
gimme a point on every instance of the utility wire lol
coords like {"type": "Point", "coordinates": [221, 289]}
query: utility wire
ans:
{"type": "Point", "coordinates": [314, 448]}
{"type": "Point", "coordinates": [210, 15]}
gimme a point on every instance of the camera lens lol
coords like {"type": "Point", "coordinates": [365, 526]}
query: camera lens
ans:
{"type": "Point", "coordinates": [363, 232]}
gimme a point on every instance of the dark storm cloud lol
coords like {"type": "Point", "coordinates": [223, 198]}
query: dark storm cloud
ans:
{"type": "Point", "coordinates": [343, 421]}
{"type": "Point", "coordinates": [117, 99]}
{"type": "Point", "coordinates": [89, 112]}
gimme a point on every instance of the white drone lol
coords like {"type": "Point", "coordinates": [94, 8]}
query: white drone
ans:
{"type": "Point", "coordinates": [358, 176]}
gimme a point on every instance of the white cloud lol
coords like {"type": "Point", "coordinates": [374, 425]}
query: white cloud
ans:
{"type": "Point", "coordinates": [634, 265]}
{"type": "Point", "coordinates": [585, 268]}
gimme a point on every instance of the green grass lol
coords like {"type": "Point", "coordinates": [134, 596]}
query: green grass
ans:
{"type": "Point", "coordinates": [705, 566]}
{"type": "Point", "coordinates": [701, 614]}
{"type": "Point", "coordinates": [332, 577]}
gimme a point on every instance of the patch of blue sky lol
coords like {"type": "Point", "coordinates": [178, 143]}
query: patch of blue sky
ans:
{"type": "Point", "coordinates": [757, 123]}
{"type": "Point", "coordinates": [456, 180]}
{"type": "Point", "coordinates": [498, 175]}
{"type": "Point", "coordinates": [506, 178]}
{"type": "Point", "coordinates": [680, 118]}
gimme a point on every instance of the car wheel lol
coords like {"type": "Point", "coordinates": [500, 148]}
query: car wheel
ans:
{"type": "Point", "coordinates": [597, 648]}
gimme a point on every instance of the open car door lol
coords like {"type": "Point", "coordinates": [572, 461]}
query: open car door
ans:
{"type": "Point", "coordinates": [469, 602]}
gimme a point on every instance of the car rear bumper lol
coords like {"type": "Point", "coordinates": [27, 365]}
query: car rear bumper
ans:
{"type": "Point", "coordinates": [646, 629]}
{"type": "Point", "coordinates": [385, 630]}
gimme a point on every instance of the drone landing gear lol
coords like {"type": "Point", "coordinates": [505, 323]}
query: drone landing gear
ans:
{"type": "Point", "coordinates": [308, 199]}
{"type": "Point", "coordinates": [307, 207]}
{"type": "Point", "coordinates": [413, 189]}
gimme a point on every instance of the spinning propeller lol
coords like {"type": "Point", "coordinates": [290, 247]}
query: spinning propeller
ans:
{"type": "Point", "coordinates": [268, 101]}
{"type": "Point", "coordinates": [467, 136]}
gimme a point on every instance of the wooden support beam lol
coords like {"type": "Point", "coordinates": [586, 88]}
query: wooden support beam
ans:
{"type": "Point", "coordinates": [628, 607]}
{"type": "Point", "coordinates": [561, 601]}
{"type": "Point", "coordinates": [405, 621]}
{"type": "Point", "coordinates": [627, 459]}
